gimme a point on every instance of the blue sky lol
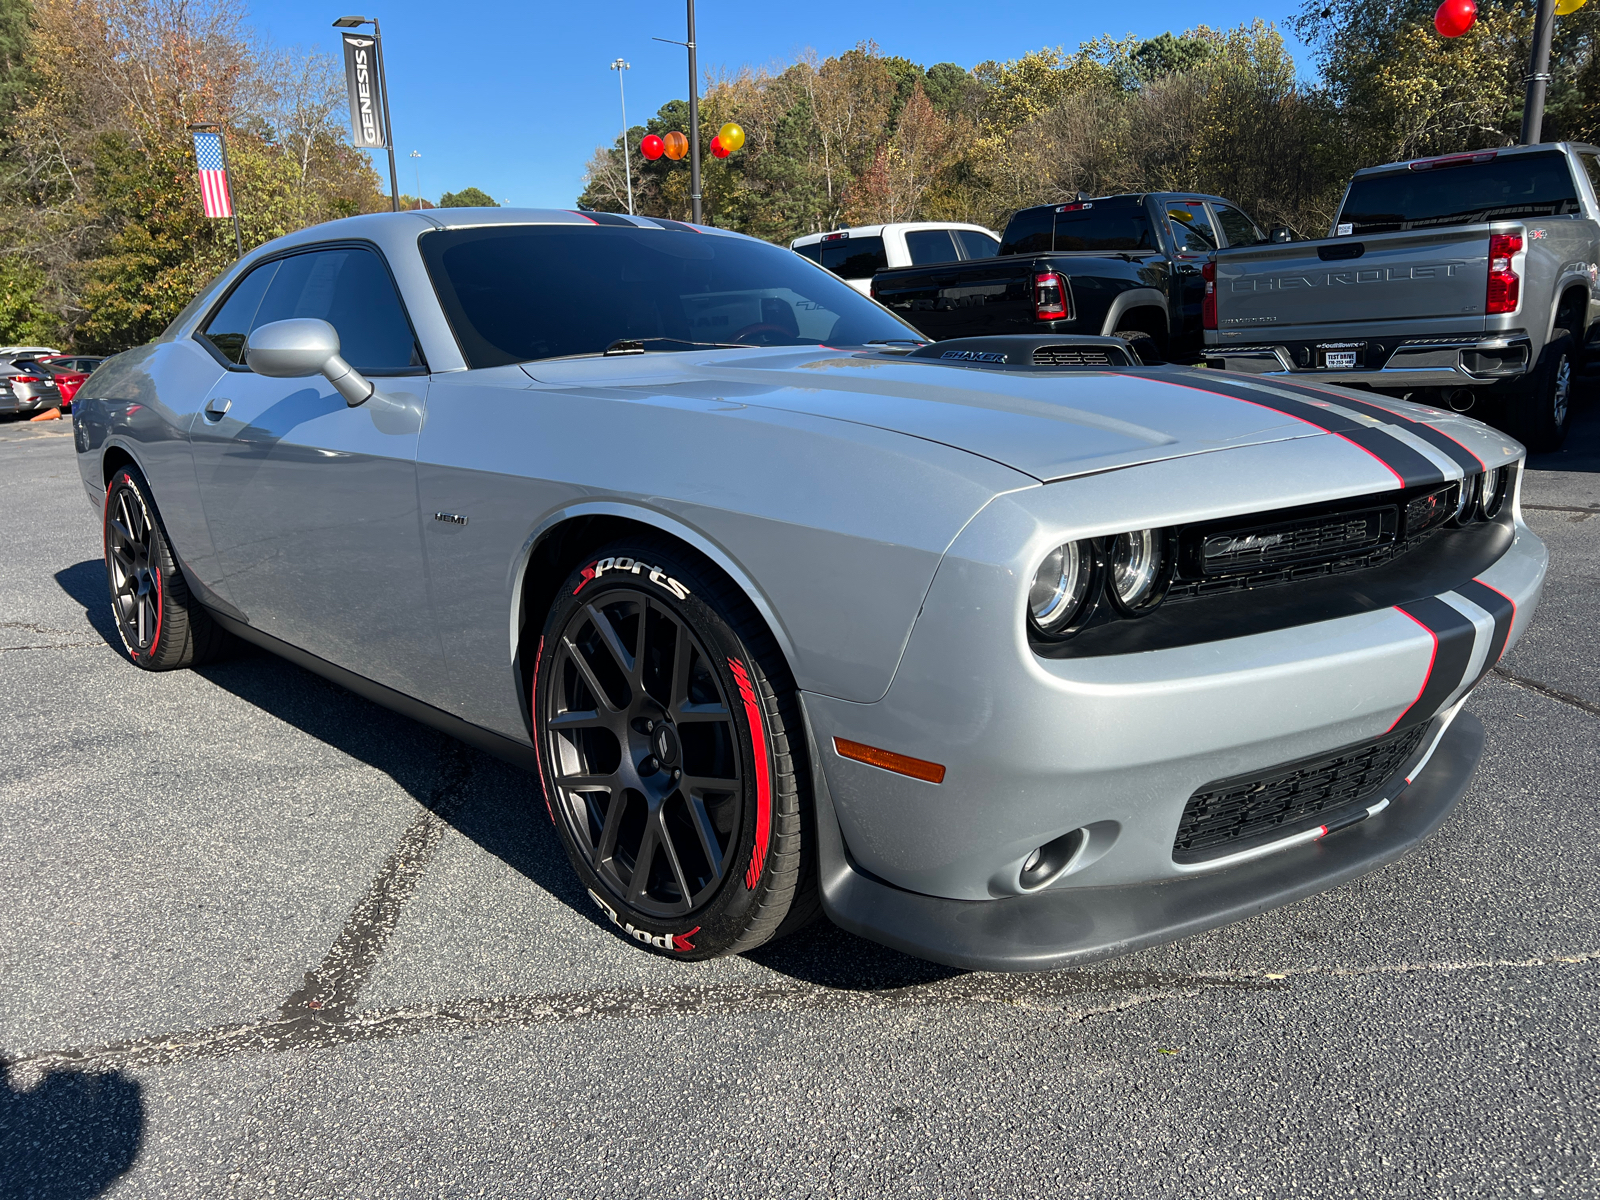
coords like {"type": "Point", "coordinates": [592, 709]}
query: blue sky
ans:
{"type": "Point", "coordinates": [513, 98]}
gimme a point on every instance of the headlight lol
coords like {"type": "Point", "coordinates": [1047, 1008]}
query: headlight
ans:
{"type": "Point", "coordinates": [1063, 590]}
{"type": "Point", "coordinates": [1138, 569]}
{"type": "Point", "coordinates": [1492, 494]}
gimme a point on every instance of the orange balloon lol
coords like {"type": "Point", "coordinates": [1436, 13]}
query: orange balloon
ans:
{"type": "Point", "coordinates": [675, 145]}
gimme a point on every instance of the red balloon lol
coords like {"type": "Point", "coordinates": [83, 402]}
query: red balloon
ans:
{"type": "Point", "coordinates": [718, 150]}
{"type": "Point", "coordinates": [1455, 17]}
{"type": "Point", "coordinates": [652, 146]}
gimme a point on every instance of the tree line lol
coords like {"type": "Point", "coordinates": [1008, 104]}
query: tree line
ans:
{"type": "Point", "coordinates": [866, 137]}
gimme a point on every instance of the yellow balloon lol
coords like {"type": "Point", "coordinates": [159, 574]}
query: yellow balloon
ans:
{"type": "Point", "coordinates": [733, 137]}
{"type": "Point", "coordinates": [1566, 7]}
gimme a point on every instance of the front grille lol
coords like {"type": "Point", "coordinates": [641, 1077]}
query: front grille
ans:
{"type": "Point", "coordinates": [1070, 356]}
{"type": "Point", "coordinates": [1329, 537]}
{"type": "Point", "coordinates": [1231, 815]}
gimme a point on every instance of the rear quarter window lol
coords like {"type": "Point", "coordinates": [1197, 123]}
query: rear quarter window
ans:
{"type": "Point", "coordinates": [1028, 232]}
{"type": "Point", "coordinates": [855, 258]}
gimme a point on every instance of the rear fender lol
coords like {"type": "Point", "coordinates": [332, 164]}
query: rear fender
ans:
{"type": "Point", "coordinates": [1131, 299]}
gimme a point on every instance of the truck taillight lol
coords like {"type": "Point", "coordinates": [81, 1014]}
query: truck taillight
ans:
{"type": "Point", "coordinates": [1049, 297]}
{"type": "Point", "coordinates": [1208, 303]}
{"type": "Point", "coordinates": [1505, 288]}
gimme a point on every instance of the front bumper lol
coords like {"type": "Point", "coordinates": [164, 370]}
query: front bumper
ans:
{"type": "Point", "coordinates": [1441, 361]}
{"type": "Point", "coordinates": [1052, 929]}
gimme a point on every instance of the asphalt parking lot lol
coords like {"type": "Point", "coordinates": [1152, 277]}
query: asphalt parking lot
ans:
{"type": "Point", "coordinates": [189, 857]}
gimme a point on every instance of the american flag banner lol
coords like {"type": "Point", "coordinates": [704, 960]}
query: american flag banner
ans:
{"type": "Point", "coordinates": [213, 175]}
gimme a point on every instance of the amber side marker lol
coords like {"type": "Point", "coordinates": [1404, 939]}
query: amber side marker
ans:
{"type": "Point", "coordinates": [900, 764]}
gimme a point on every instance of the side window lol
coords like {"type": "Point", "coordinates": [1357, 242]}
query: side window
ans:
{"type": "Point", "coordinates": [231, 325]}
{"type": "Point", "coordinates": [854, 258]}
{"type": "Point", "coordinates": [1191, 227]}
{"type": "Point", "coordinates": [1030, 232]}
{"type": "Point", "coordinates": [1239, 229]}
{"type": "Point", "coordinates": [930, 246]}
{"type": "Point", "coordinates": [977, 245]}
{"type": "Point", "coordinates": [1591, 164]}
{"type": "Point", "coordinates": [349, 288]}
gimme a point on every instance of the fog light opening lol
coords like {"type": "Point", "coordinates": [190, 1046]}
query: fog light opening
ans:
{"type": "Point", "coordinates": [1051, 860]}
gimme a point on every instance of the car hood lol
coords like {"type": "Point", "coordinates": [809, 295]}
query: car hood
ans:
{"type": "Point", "coordinates": [1048, 425]}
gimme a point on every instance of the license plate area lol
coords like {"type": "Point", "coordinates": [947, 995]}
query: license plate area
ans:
{"type": "Point", "coordinates": [1341, 356]}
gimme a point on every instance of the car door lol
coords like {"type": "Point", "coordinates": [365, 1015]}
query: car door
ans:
{"type": "Point", "coordinates": [312, 504]}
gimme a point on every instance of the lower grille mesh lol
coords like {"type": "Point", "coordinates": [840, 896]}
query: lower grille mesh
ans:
{"type": "Point", "coordinates": [1235, 814]}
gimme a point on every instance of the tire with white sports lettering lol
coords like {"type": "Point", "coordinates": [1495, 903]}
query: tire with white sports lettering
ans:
{"type": "Point", "coordinates": [671, 753]}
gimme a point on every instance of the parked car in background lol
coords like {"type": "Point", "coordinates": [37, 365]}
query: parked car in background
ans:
{"type": "Point", "coordinates": [1469, 282]}
{"type": "Point", "coordinates": [69, 372]}
{"type": "Point", "coordinates": [855, 255]}
{"type": "Point", "coordinates": [32, 387]}
{"type": "Point", "coordinates": [7, 353]}
{"type": "Point", "coordinates": [1121, 266]}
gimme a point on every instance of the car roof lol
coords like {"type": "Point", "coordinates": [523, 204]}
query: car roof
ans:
{"type": "Point", "coordinates": [1496, 151]}
{"type": "Point", "coordinates": [806, 239]}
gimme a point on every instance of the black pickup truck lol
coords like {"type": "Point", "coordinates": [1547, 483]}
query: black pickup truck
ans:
{"type": "Point", "coordinates": [1120, 266]}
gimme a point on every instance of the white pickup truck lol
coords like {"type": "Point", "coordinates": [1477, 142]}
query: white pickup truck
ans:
{"type": "Point", "coordinates": [1470, 281]}
{"type": "Point", "coordinates": [855, 255]}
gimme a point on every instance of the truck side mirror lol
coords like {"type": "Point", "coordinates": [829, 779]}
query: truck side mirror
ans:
{"type": "Point", "coordinates": [1281, 233]}
{"type": "Point", "coordinates": [303, 346]}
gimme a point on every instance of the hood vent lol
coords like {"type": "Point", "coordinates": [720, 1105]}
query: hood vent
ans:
{"type": "Point", "coordinates": [1029, 352]}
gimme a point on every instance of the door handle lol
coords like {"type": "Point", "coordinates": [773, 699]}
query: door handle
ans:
{"type": "Point", "coordinates": [217, 408]}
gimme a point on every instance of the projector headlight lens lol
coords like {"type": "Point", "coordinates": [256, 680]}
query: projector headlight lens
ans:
{"type": "Point", "coordinates": [1138, 569]}
{"type": "Point", "coordinates": [1061, 588]}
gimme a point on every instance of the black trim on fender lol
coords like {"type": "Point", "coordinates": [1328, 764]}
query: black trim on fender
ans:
{"type": "Point", "coordinates": [1062, 927]}
{"type": "Point", "coordinates": [518, 754]}
{"type": "Point", "coordinates": [1454, 634]}
{"type": "Point", "coordinates": [1413, 468]}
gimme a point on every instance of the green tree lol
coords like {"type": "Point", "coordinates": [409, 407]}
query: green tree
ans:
{"type": "Point", "coordinates": [467, 198]}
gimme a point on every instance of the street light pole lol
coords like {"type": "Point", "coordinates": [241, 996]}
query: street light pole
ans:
{"type": "Point", "coordinates": [694, 114]}
{"type": "Point", "coordinates": [383, 86]}
{"type": "Point", "coordinates": [1544, 23]}
{"type": "Point", "coordinates": [627, 163]}
{"type": "Point", "coordinates": [694, 119]}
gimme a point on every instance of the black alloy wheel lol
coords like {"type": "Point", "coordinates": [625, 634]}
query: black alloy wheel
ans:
{"type": "Point", "coordinates": [666, 754]}
{"type": "Point", "coordinates": [161, 625]}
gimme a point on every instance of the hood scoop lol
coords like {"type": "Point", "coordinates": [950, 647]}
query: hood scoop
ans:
{"type": "Point", "coordinates": [1029, 352]}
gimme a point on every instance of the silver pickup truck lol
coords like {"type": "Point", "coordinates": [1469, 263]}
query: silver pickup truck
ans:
{"type": "Point", "coordinates": [1467, 282]}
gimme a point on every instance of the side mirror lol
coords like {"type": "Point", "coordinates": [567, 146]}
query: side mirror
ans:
{"type": "Point", "coordinates": [301, 347]}
{"type": "Point", "coordinates": [1281, 233]}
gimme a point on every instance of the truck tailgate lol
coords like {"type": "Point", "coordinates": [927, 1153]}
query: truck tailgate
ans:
{"type": "Point", "coordinates": [960, 298]}
{"type": "Point", "coordinates": [1367, 282]}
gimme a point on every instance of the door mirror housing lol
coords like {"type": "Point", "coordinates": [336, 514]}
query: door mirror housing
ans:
{"type": "Point", "coordinates": [302, 347]}
{"type": "Point", "coordinates": [1281, 233]}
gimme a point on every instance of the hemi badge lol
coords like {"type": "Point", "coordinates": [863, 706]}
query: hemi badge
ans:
{"type": "Point", "coordinates": [450, 518]}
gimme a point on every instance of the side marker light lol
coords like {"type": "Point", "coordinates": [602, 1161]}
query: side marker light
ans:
{"type": "Point", "coordinates": [900, 764]}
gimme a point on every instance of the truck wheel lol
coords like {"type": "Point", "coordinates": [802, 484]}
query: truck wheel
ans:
{"type": "Point", "coordinates": [162, 626]}
{"type": "Point", "coordinates": [671, 752]}
{"type": "Point", "coordinates": [1144, 346]}
{"type": "Point", "coordinates": [1540, 412]}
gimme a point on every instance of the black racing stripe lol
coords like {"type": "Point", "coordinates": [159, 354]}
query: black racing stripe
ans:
{"type": "Point", "coordinates": [1438, 439]}
{"type": "Point", "coordinates": [1497, 606]}
{"type": "Point", "coordinates": [1455, 633]}
{"type": "Point", "coordinates": [1413, 468]}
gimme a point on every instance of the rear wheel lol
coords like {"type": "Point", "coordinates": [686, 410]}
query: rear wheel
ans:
{"type": "Point", "coordinates": [1540, 412]}
{"type": "Point", "coordinates": [668, 735]}
{"type": "Point", "coordinates": [1144, 346]}
{"type": "Point", "coordinates": [161, 625]}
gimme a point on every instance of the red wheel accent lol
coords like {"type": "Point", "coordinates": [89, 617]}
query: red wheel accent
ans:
{"type": "Point", "coordinates": [758, 747]}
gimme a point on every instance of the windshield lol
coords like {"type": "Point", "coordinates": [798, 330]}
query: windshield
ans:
{"type": "Point", "coordinates": [516, 293]}
{"type": "Point", "coordinates": [1518, 185]}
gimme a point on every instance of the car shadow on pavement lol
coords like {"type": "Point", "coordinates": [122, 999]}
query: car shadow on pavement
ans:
{"type": "Point", "coordinates": [1582, 449]}
{"type": "Point", "coordinates": [85, 582]}
{"type": "Point", "coordinates": [496, 805]}
{"type": "Point", "coordinates": [69, 1138]}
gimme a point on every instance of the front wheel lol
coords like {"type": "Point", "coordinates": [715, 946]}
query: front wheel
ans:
{"type": "Point", "coordinates": [161, 625]}
{"type": "Point", "coordinates": [1540, 412]}
{"type": "Point", "coordinates": [670, 752]}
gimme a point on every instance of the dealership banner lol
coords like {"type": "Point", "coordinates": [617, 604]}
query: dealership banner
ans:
{"type": "Point", "coordinates": [366, 94]}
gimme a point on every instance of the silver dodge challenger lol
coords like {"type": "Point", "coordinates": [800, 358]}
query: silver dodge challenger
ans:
{"type": "Point", "coordinates": [1010, 653]}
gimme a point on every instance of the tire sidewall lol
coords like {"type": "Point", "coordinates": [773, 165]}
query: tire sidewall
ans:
{"type": "Point", "coordinates": [716, 926]}
{"type": "Point", "coordinates": [1536, 423]}
{"type": "Point", "coordinates": [131, 479]}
